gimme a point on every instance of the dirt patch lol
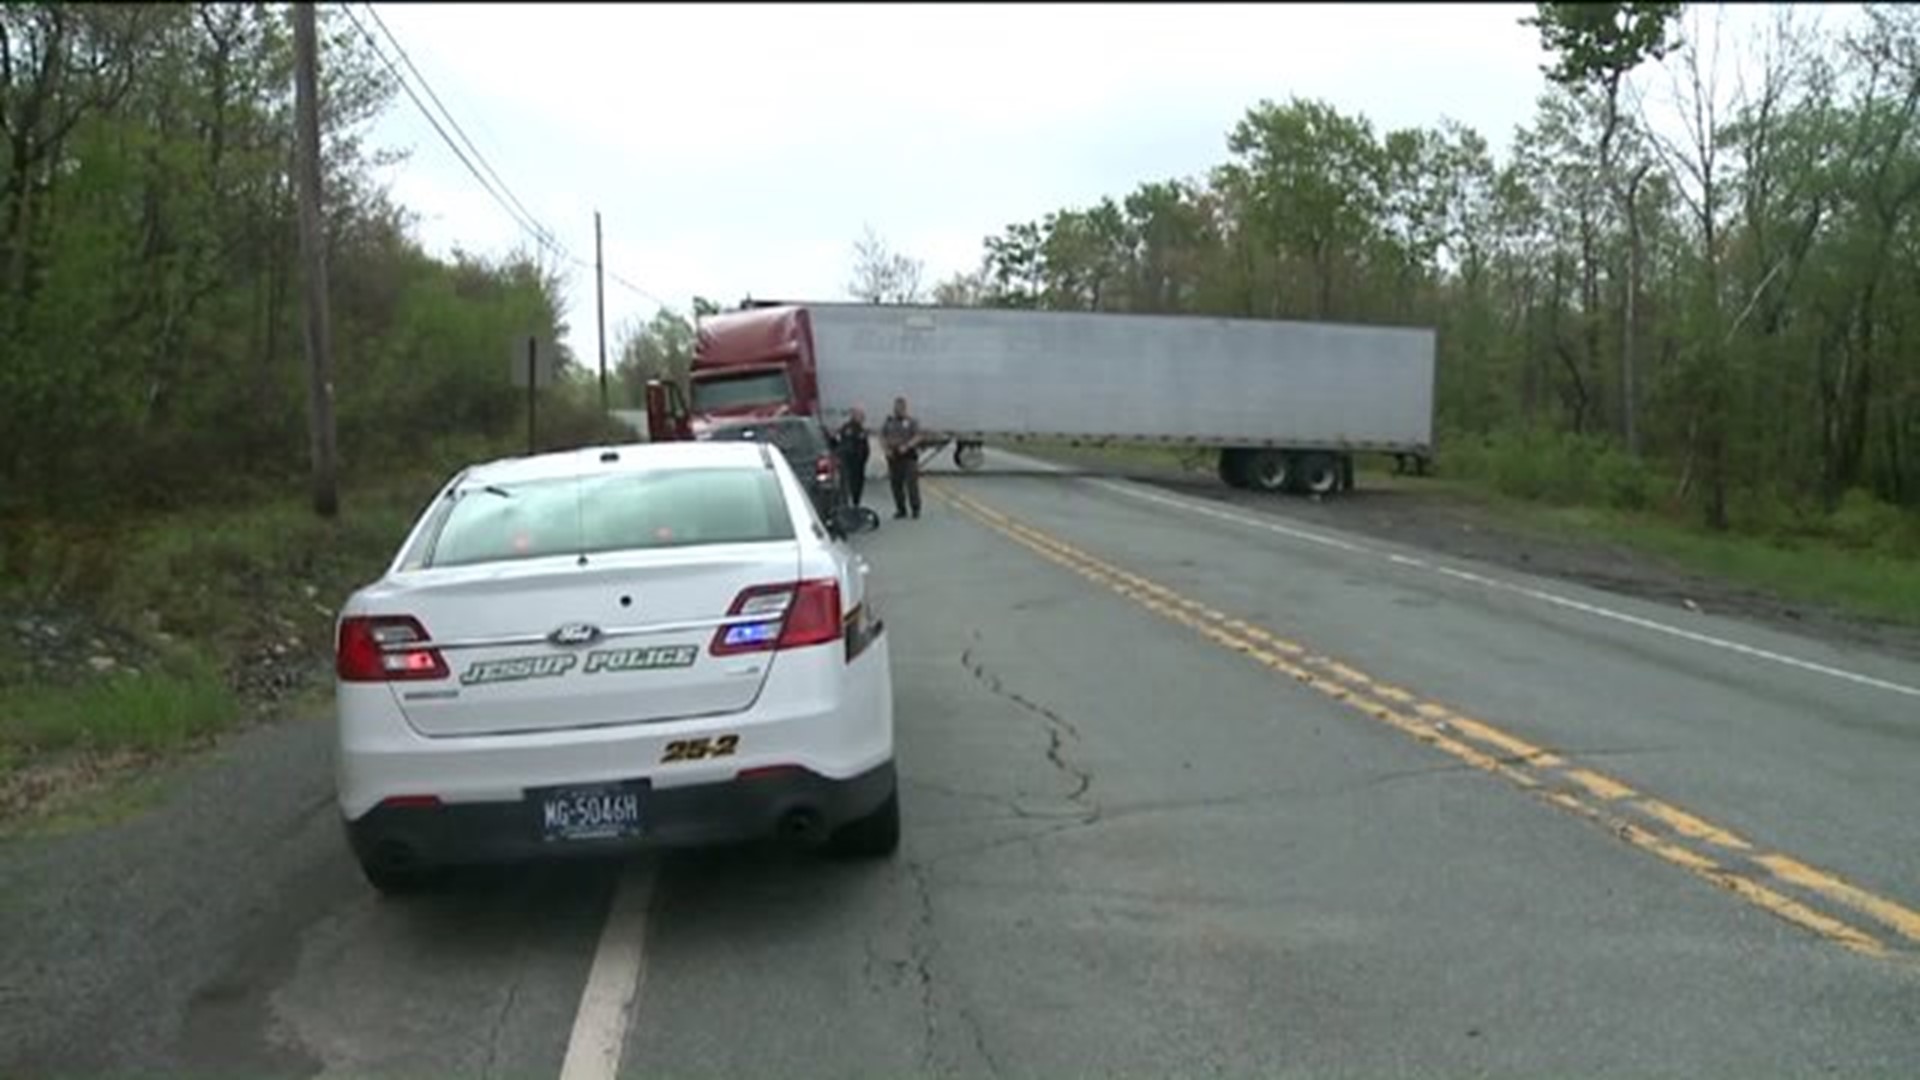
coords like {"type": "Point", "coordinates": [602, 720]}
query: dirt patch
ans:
{"type": "Point", "coordinates": [1410, 511]}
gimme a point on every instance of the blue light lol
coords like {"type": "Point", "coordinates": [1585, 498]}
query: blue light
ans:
{"type": "Point", "coordinates": [752, 633]}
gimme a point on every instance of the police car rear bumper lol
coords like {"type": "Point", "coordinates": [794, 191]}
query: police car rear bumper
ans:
{"type": "Point", "coordinates": [745, 809]}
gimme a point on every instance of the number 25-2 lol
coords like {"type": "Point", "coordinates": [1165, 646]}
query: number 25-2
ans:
{"type": "Point", "coordinates": [697, 749]}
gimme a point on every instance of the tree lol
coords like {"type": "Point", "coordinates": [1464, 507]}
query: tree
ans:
{"type": "Point", "coordinates": [970, 289]}
{"type": "Point", "coordinates": [660, 348]}
{"type": "Point", "coordinates": [1313, 179]}
{"type": "Point", "coordinates": [1735, 305]}
{"type": "Point", "coordinates": [1014, 266]}
{"type": "Point", "coordinates": [147, 265]}
{"type": "Point", "coordinates": [882, 275]}
{"type": "Point", "coordinates": [1598, 45]}
{"type": "Point", "coordinates": [1176, 242]}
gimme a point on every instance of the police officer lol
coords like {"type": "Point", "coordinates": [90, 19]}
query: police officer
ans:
{"type": "Point", "coordinates": [901, 437]}
{"type": "Point", "coordinates": [853, 443]}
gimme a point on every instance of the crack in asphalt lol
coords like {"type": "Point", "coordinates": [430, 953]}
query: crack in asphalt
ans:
{"type": "Point", "coordinates": [920, 954]}
{"type": "Point", "coordinates": [980, 1042]}
{"type": "Point", "coordinates": [1016, 811]}
{"type": "Point", "coordinates": [1109, 814]}
{"type": "Point", "coordinates": [1009, 841]}
{"type": "Point", "coordinates": [921, 951]}
{"type": "Point", "coordinates": [500, 1019]}
{"type": "Point", "coordinates": [1059, 731]}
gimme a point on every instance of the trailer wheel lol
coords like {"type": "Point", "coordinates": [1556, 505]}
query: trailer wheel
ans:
{"type": "Point", "coordinates": [969, 456]}
{"type": "Point", "coordinates": [1319, 474]}
{"type": "Point", "coordinates": [1269, 470]}
{"type": "Point", "coordinates": [1233, 467]}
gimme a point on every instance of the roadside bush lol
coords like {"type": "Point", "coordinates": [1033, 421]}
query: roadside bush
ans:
{"type": "Point", "coordinates": [1554, 468]}
{"type": "Point", "coordinates": [1864, 522]}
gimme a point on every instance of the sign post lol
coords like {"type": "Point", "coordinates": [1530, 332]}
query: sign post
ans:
{"type": "Point", "coordinates": [531, 366]}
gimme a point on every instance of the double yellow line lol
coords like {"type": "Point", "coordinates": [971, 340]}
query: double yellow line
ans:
{"type": "Point", "coordinates": [1768, 880]}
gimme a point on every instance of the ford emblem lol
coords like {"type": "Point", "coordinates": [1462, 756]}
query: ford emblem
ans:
{"type": "Point", "coordinates": [574, 634]}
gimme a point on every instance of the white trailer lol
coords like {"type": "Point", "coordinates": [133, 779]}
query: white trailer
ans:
{"type": "Point", "coordinates": [1286, 403]}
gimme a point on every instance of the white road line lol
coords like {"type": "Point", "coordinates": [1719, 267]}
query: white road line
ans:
{"type": "Point", "coordinates": [1522, 590]}
{"type": "Point", "coordinates": [613, 984]}
{"type": "Point", "coordinates": [1214, 512]}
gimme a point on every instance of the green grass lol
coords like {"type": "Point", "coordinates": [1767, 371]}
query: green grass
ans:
{"type": "Point", "coordinates": [1862, 582]}
{"type": "Point", "coordinates": [151, 712]}
{"type": "Point", "coordinates": [196, 593]}
{"type": "Point", "coordinates": [199, 591]}
{"type": "Point", "coordinates": [214, 576]}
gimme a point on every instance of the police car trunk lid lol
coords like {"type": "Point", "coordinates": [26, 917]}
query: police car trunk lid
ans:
{"type": "Point", "coordinates": [556, 643]}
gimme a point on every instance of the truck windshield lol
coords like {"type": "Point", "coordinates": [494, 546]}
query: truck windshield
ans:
{"type": "Point", "coordinates": [740, 391]}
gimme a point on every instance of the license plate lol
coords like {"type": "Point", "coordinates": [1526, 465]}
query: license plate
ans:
{"type": "Point", "coordinates": [606, 812]}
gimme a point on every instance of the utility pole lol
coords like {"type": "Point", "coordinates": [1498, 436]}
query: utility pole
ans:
{"type": "Point", "coordinates": [600, 304]}
{"type": "Point", "coordinates": [313, 252]}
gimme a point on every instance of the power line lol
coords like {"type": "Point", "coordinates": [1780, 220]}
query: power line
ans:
{"type": "Point", "coordinates": [502, 194]}
{"type": "Point", "coordinates": [537, 232]}
{"type": "Point", "coordinates": [618, 280]}
{"type": "Point", "coordinates": [407, 59]}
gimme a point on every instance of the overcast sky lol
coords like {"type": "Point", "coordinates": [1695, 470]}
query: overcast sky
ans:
{"type": "Point", "coordinates": [736, 150]}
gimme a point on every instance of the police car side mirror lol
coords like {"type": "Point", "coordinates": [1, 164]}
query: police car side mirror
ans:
{"type": "Point", "coordinates": [841, 523]}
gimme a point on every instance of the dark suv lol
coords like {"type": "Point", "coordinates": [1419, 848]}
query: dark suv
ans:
{"type": "Point", "coordinates": [804, 442]}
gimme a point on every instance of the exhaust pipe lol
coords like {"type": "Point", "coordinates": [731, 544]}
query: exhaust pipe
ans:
{"type": "Point", "coordinates": [803, 826]}
{"type": "Point", "coordinates": [396, 857]}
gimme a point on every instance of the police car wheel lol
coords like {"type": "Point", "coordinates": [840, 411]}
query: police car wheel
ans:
{"type": "Point", "coordinates": [969, 456]}
{"type": "Point", "coordinates": [393, 877]}
{"type": "Point", "coordinates": [875, 836]}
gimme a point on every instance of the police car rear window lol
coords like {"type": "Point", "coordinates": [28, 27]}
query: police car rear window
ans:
{"type": "Point", "coordinates": [610, 512]}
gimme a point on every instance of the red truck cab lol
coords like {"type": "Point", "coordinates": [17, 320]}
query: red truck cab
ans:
{"type": "Point", "coordinates": [747, 364]}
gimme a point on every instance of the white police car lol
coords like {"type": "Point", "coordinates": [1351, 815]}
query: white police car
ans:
{"type": "Point", "coordinates": [588, 651]}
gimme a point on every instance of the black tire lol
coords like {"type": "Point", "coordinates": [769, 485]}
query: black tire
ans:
{"type": "Point", "coordinates": [1270, 470]}
{"type": "Point", "coordinates": [1318, 474]}
{"type": "Point", "coordinates": [875, 836]}
{"type": "Point", "coordinates": [1233, 467]}
{"type": "Point", "coordinates": [397, 879]}
{"type": "Point", "coordinates": [969, 456]}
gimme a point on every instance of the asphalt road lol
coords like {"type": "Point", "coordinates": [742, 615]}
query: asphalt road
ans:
{"type": "Point", "coordinates": [1188, 789]}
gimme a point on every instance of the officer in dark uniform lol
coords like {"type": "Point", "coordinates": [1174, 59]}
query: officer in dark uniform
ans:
{"type": "Point", "coordinates": [854, 445]}
{"type": "Point", "coordinates": [901, 437]}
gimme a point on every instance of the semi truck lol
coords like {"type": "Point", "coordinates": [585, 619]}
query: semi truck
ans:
{"type": "Point", "coordinates": [1285, 405]}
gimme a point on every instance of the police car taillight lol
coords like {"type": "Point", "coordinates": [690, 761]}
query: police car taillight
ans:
{"type": "Point", "coordinates": [824, 468]}
{"type": "Point", "coordinates": [792, 617]}
{"type": "Point", "coordinates": [374, 649]}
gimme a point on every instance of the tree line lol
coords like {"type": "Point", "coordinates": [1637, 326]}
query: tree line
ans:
{"type": "Point", "coordinates": [1729, 305]}
{"type": "Point", "coordinates": [150, 310]}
